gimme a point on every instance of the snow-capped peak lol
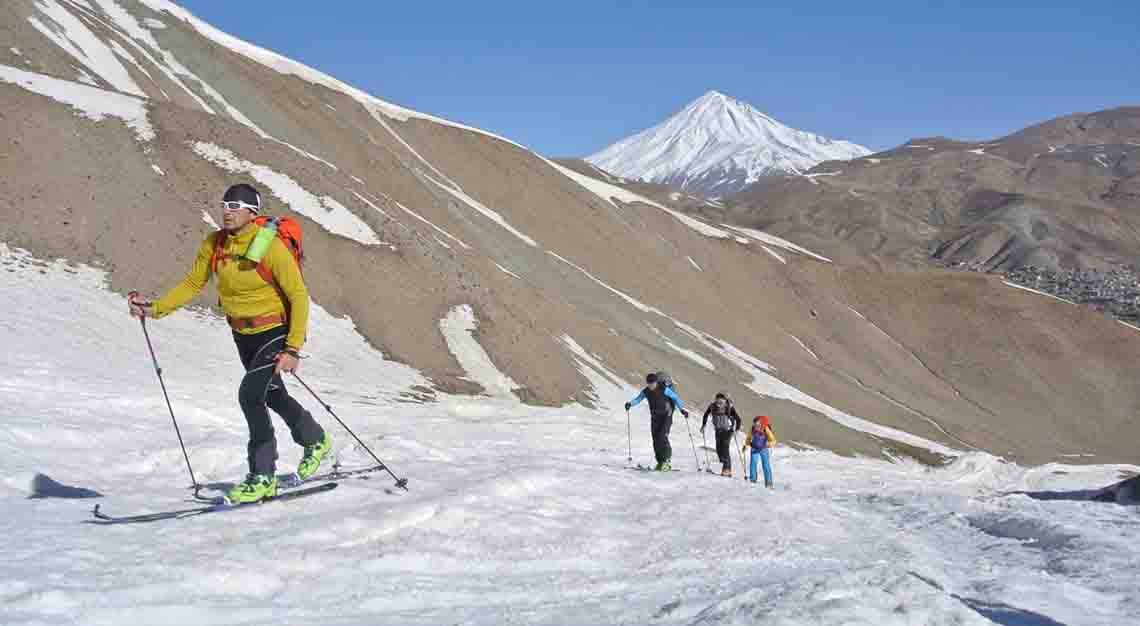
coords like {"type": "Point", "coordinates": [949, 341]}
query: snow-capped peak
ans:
{"type": "Point", "coordinates": [716, 146]}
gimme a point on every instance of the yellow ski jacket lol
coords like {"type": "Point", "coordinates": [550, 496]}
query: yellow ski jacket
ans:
{"type": "Point", "coordinates": [242, 292]}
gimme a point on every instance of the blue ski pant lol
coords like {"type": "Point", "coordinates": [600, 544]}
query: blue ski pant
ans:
{"type": "Point", "coordinates": [762, 456]}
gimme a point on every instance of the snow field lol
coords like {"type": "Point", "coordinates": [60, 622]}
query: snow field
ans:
{"type": "Point", "coordinates": [515, 514]}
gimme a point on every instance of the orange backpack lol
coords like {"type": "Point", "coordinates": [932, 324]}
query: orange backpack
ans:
{"type": "Point", "coordinates": [288, 231]}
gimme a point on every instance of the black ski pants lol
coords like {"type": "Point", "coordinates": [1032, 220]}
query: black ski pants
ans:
{"type": "Point", "coordinates": [724, 448]}
{"type": "Point", "coordinates": [262, 389]}
{"type": "Point", "coordinates": [659, 426]}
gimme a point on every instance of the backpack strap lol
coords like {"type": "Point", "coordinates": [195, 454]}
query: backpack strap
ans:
{"type": "Point", "coordinates": [219, 255]}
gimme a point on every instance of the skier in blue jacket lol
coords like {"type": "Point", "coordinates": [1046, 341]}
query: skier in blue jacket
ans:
{"type": "Point", "coordinates": [662, 402]}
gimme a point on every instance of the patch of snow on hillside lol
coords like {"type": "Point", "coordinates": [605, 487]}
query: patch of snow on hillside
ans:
{"type": "Point", "coordinates": [609, 192]}
{"type": "Point", "coordinates": [209, 219]}
{"type": "Point", "coordinates": [804, 346]}
{"type": "Point", "coordinates": [92, 103]}
{"type": "Point", "coordinates": [692, 356]}
{"type": "Point", "coordinates": [157, 170]}
{"type": "Point", "coordinates": [16, 51]}
{"type": "Point", "coordinates": [286, 65]}
{"type": "Point", "coordinates": [977, 151]}
{"type": "Point", "coordinates": [694, 263]}
{"type": "Point", "coordinates": [773, 240]}
{"type": "Point", "coordinates": [154, 24]}
{"type": "Point", "coordinates": [70, 33]}
{"type": "Point", "coordinates": [609, 391]}
{"type": "Point", "coordinates": [1040, 293]}
{"type": "Point", "coordinates": [774, 254]}
{"type": "Point", "coordinates": [431, 224]}
{"type": "Point", "coordinates": [371, 204]}
{"type": "Point", "coordinates": [507, 271]}
{"type": "Point", "coordinates": [490, 214]}
{"type": "Point", "coordinates": [327, 212]}
{"type": "Point", "coordinates": [458, 330]}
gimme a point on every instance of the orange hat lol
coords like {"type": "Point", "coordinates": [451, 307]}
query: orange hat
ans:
{"type": "Point", "coordinates": [763, 419]}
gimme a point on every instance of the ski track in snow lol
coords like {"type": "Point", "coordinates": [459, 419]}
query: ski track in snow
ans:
{"type": "Point", "coordinates": [326, 211]}
{"type": "Point", "coordinates": [92, 103]}
{"type": "Point", "coordinates": [526, 516]}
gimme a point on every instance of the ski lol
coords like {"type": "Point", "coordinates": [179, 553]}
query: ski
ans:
{"type": "Point", "coordinates": [102, 518]}
{"type": "Point", "coordinates": [646, 468]}
{"type": "Point", "coordinates": [291, 480]}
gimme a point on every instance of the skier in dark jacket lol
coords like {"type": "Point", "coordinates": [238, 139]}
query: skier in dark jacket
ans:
{"type": "Point", "coordinates": [662, 402]}
{"type": "Point", "coordinates": [726, 421]}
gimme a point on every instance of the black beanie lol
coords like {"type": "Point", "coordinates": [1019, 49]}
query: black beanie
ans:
{"type": "Point", "coordinates": [244, 193]}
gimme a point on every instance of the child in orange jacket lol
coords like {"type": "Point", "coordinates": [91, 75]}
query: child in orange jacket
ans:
{"type": "Point", "coordinates": [761, 439]}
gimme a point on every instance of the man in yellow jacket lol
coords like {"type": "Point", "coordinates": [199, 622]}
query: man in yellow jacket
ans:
{"type": "Point", "coordinates": [269, 325]}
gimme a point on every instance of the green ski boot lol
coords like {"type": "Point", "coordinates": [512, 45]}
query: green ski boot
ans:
{"type": "Point", "coordinates": [311, 461]}
{"type": "Point", "coordinates": [255, 488]}
{"type": "Point", "coordinates": [666, 467]}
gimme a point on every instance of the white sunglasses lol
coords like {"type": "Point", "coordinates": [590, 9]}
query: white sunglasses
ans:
{"type": "Point", "coordinates": [234, 205]}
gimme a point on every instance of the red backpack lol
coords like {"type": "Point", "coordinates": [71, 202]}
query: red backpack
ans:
{"type": "Point", "coordinates": [288, 231]}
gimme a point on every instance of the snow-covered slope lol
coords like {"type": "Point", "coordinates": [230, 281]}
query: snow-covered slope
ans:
{"type": "Point", "coordinates": [717, 145]}
{"type": "Point", "coordinates": [515, 514]}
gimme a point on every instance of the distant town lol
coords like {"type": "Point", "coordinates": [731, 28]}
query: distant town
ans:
{"type": "Point", "coordinates": [1115, 292]}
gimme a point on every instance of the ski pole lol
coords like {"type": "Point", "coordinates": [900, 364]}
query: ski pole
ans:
{"type": "Point", "coordinates": [628, 439]}
{"type": "Point", "coordinates": [400, 482]}
{"type": "Point", "coordinates": [743, 467]}
{"type": "Point", "coordinates": [161, 383]}
{"type": "Point", "coordinates": [693, 443]}
{"type": "Point", "coordinates": [705, 445]}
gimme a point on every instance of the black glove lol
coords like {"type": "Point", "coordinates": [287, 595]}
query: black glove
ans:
{"type": "Point", "coordinates": [628, 406]}
{"type": "Point", "coordinates": [685, 413]}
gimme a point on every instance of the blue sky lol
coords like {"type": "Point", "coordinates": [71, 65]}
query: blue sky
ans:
{"type": "Point", "coordinates": [569, 78]}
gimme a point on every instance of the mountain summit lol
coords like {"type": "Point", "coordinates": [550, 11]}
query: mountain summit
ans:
{"type": "Point", "coordinates": [716, 146]}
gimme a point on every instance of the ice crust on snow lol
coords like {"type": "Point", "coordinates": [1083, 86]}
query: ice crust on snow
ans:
{"type": "Point", "coordinates": [92, 103]}
{"type": "Point", "coordinates": [482, 534]}
{"type": "Point", "coordinates": [324, 210]}
{"type": "Point", "coordinates": [718, 145]}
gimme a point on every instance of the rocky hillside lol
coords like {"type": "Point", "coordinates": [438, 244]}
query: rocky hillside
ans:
{"type": "Point", "coordinates": [124, 120]}
{"type": "Point", "coordinates": [1063, 194]}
